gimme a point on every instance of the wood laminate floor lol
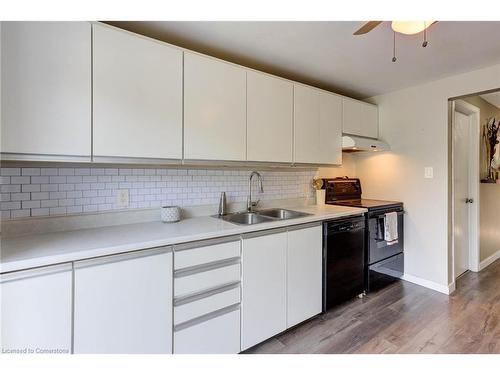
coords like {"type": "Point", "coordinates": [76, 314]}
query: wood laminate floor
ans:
{"type": "Point", "coordinates": [405, 318]}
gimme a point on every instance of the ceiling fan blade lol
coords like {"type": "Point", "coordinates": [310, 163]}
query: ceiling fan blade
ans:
{"type": "Point", "coordinates": [367, 27]}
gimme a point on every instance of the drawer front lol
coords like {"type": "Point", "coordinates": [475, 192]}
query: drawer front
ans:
{"type": "Point", "coordinates": [205, 254]}
{"type": "Point", "coordinates": [211, 302]}
{"type": "Point", "coordinates": [217, 335]}
{"type": "Point", "coordinates": [196, 282]}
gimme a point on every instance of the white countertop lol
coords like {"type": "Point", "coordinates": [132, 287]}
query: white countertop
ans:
{"type": "Point", "coordinates": [30, 251]}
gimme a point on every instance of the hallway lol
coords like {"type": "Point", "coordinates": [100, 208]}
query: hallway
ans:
{"type": "Point", "coordinates": [405, 318]}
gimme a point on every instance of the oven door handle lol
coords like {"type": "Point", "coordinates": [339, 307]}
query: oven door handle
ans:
{"type": "Point", "coordinates": [378, 217]}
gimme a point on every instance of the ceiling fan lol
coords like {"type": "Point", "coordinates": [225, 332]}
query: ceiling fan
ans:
{"type": "Point", "coordinates": [401, 27]}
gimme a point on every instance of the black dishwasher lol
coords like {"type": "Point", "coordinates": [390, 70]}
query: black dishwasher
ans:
{"type": "Point", "coordinates": [343, 260]}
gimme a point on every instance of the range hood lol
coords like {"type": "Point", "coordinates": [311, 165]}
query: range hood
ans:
{"type": "Point", "coordinates": [353, 143]}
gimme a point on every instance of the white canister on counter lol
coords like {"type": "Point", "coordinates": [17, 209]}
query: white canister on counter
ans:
{"type": "Point", "coordinates": [170, 214]}
{"type": "Point", "coordinates": [320, 197]}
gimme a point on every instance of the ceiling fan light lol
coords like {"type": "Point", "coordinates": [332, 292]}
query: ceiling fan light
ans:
{"type": "Point", "coordinates": [410, 27]}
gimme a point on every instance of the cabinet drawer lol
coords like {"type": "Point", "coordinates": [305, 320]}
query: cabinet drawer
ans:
{"type": "Point", "coordinates": [196, 306]}
{"type": "Point", "coordinates": [219, 334]}
{"type": "Point", "coordinates": [188, 283]}
{"type": "Point", "coordinates": [190, 255]}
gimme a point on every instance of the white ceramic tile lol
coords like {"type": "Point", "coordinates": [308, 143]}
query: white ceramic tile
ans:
{"type": "Point", "coordinates": [40, 179]}
{"type": "Point", "coordinates": [66, 171]}
{"type": "Point", "coordinates": [10, 205]}
{"type": "Point", "coordinates": [10, 171]}
{"type": "Point", "coordinates": [40, 212]}
{"type": "Point", "coordinates": [57, 211]}
{"type": "Point", "coordinates": [48, 171]}
{"type": "Point", "coordinates": [31, 171]}
{"type": "Point", "coordinates": [30, 204]}
{"type": "Point", "coordinates": [57, 194]}
{"type": "Point", "coordinates": [30, 188]}
{"type": "Point", "coordinates": [20, 197]}
{"type": "Point", "coordinates": [40, 196]}
{"type": "Point", "coordinates": [20, 213]}
{"type": "Point", "coordinates": [20, 180]}
{"type": "Point", "coordinates": [59, 191]}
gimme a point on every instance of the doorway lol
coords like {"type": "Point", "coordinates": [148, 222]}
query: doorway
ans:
{"type": "Point", "coordinates": [465, 187]}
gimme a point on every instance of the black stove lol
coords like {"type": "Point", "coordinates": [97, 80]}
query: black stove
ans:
{"type": "Point", "coordinates": [384, 261]}
{"type": "Point", "coordinates": [344, 191]}
{"type": "Point", "coordinates": [370, 204]}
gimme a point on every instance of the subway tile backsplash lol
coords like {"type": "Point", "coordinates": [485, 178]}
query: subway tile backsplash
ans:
{"type": "Point", "coordinates": [26, 192]}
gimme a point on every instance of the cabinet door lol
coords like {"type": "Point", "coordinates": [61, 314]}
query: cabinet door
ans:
{"type": "Point", "coordinates": [46, 89]}
{"type": "Point", "coordinates": [263, 288]}
{"type": "Point", "coordinates": [123, 303]}
{"type": "Point", "coordinates": [214, 109]}
{"type": "Point", "coordinates": [330, 128]}
{"type": "Point", "coordinates": [269, 118]}
{"type": "Point", "coordinates": [317, 126]}
{"type": "Point", "coordinates": [360, 118]}
{"type": "Point", "coordinates": [304, 274]}
{"type": "Point", "coordinates": [36, 309]}
{"type": "Point", "coordinates": [217, 333]}
{"type": "Point", "coordinates": [137, 96]}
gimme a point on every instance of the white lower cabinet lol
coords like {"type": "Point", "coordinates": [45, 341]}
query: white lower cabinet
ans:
{"type": "Point", "coordinates": [218, 296]}
{"type": "Point", "coordinates": [281, 281]}
{"type": "Point", "coordinates": [207, 297]}
{"type": "Point", "coordinates": [218, 333]}
{"type": "Point", "coordinates": [123, 303]}
{"type": "Point", "coordinates": [304, 273]}
{"type": "Point", "coordinates": [263, 286]}
{"type": "Point", "coordinates": [36, 310]}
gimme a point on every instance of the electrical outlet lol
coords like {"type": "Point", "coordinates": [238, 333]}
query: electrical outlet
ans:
{"type": "Point", "coordinates": [122, 198]}
{"type": "Point", "coordinates": [428, 172]}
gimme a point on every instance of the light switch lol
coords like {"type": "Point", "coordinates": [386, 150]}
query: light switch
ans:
{"type": "Point", "coordinates": [428, 172]}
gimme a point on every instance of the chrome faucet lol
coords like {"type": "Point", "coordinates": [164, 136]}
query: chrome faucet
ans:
{"type": "Point", "coordinates": [251, 204]}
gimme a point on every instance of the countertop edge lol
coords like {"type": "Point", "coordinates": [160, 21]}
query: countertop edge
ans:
{"type": "Point", "coordinates": [77, 255]}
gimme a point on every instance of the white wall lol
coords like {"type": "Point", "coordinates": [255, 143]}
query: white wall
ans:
{"type": "Point", "coordinates": [414, 121]}
{"type": "Point", "coordinates": [348, 168]}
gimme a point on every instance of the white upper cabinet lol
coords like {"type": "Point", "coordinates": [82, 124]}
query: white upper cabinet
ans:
{"type": "Point", "coordinates": [360, 118]}
{"type": "Point", "coordinates": [46, 89]}
{"type": "Point", "coordinates": [36, 309]}
{"type": "Point", "coordinates": [214, 109]}
{"type": "Point", "coordinates": [317, 126]}
{"type": "Point", "coordinates": [137, 96]}
{"type": "Point", "coordinates": [269, 118]}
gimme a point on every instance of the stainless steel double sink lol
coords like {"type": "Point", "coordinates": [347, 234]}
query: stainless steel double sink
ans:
{"type": "Point", "coordinates": [262, 216]}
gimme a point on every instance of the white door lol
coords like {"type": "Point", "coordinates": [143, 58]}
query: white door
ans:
{"type": "Point", "coordinates": [304, 273]}
{"type": "Point", "coordinates": [123, 303]}
{"type": "Point", "coordinates": [263, 287]}
{"type": "Point", "coordinates": [46, 89]}
{"type": "Point", "coordinates": [137, 96]}
{"type": "Point", "coordinates": [461, 156]}
{"type": "Point", "coordinates": [269, 118]}
{"type": "Point", "coordinates": [36, 309]}
{"type": "Point", "coordinates": [214, 109]}
{"type": "Point", "coordinates": [317, 126]}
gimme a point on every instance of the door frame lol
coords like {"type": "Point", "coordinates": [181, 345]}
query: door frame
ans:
{"type": "Point", "coordinates": [474, 183]}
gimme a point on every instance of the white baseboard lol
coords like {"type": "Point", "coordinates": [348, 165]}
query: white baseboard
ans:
{"type": "Point", "coordinates": [485, 263]}
{"type": "Point", "coordinates": [446, 289]}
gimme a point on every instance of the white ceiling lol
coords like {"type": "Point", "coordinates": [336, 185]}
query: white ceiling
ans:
{"type": "Point", "coordinates": [326, 54]}
{"type": "Point", "coordinates": [492, 98]}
